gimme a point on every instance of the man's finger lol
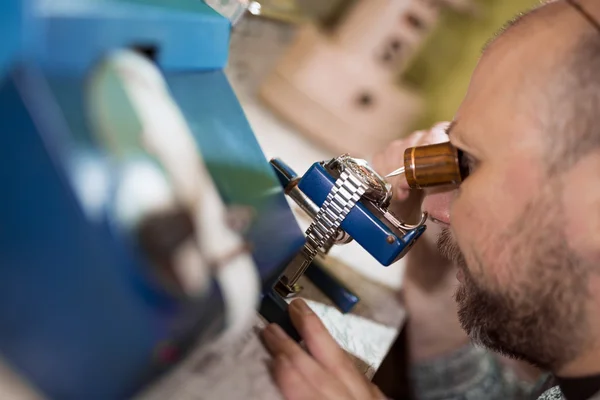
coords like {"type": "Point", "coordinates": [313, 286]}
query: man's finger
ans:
{"type": "Point", "coordinates": [437, 133]}
{"type": "Point", "coordinates": [316, 336]}
{"type": "Point", "coordinates": [280, 344]}
{"type": "Point", "coordinates": [291, 383]}
{"type": "Point", "coordinates": [326, 351]}
{"type": "Point", "coordinates": [401, 188]}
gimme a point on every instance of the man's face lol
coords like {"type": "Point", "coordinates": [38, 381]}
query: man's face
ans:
{"type": "Point", "coordinates": [521, 286]}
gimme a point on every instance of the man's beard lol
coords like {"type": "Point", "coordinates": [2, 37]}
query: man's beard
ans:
{"type": "Point", "coordinates": [531, 319]}
{"type": "Point", "coordinates": [449, 249]}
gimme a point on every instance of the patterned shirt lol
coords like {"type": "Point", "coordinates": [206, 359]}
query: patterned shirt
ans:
{"type": "Point", "coordinates": [472, 373]}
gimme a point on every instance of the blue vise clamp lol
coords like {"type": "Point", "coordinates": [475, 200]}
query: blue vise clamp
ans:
{"type": "Point", "coordinates": [368, 222]}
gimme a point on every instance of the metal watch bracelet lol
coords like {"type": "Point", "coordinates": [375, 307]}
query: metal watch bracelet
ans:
{"type": "Point", "coordinates": [347, 191]}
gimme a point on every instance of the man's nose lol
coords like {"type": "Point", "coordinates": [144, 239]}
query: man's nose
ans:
{"type": "Point", "coordinates": [437, 204]}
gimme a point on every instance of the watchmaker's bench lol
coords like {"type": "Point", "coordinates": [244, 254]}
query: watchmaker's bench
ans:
{"type": "Point", "coordinates": [241, 371]}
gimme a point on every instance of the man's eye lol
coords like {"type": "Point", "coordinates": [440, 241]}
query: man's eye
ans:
{"type": "Point", "coordinates": [467, 163]}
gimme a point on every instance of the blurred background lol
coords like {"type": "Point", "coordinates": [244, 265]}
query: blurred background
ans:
{"type": "Point", "coordinates": [362, 71]}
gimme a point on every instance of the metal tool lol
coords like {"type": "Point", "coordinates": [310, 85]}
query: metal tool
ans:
{"type": "Point", "coordinates": [397, 172]}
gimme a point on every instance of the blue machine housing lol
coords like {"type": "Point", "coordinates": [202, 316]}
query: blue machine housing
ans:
{"type": "Point", "coordinates": [80, 316]}
{"type": "Point", "coordinates": [361, 223]}
{"type": "Point", "coordinates": [16, 28]}
{"type": "Point", "coordinates": [191, 37]}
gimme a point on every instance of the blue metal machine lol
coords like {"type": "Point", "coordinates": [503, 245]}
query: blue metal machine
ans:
{"type": "Point", "coordinates": [92, 304]}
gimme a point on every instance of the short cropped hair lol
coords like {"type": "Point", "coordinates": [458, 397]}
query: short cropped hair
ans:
{"type": "Point", "coordinates": [574, 109]}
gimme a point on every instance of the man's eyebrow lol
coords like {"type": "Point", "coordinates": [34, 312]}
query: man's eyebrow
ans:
{"type": "Point", "coordinates": [450, 128]}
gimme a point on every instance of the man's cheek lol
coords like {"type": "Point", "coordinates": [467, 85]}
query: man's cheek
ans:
{"type": "Point", "coordinates": [511, 187]}
{"type": "Point", "coordinates": [475, 230]}
{"type": "Point", "coordinates": [469, 217]}
{"type": "Point", "coordinates": [487, 256]}
{"type": "Point", "coordinates": [462, 226]}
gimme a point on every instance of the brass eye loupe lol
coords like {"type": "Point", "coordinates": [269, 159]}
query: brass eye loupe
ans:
{"type": "Point", "coordinates": [433, 165]}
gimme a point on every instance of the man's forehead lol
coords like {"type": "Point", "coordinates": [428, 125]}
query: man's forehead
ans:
{"type": "Point", "coordinates": [511, 85]}
{"type": "Point", "coordinates": [500, 85]}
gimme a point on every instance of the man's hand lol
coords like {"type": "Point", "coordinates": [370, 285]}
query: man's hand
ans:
{"type": "Point", "coordinates": [429, 280]}
{"type": "Point", "coordinates": [324, 372]}
{"type": "Point", "coordinates": [392, 157]}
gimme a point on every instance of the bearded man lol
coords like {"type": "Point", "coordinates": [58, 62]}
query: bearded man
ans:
{"type": "Point", "coordinates": [519, 240]}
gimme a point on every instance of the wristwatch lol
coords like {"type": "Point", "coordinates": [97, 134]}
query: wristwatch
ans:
{"type": "Point", "coordinates": [355, 180]}
{"type": "Point", "coordinates": [378, 190]}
